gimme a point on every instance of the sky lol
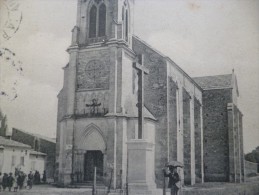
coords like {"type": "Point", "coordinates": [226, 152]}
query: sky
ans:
{"type": "Point", "coordinates": [203, 37]}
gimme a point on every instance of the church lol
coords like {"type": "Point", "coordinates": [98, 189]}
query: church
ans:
{"type": "Point", "coordinates": [127, 109]}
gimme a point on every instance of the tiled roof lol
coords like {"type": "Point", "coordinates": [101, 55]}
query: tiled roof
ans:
{"type": "Point", "coordinates": [7, 142]}
{"type": "Point", "coordinates": [37, 135]}
{"type": "Point", "coordinates": [214, 82]}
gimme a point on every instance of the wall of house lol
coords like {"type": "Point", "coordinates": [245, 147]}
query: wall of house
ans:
{"type": "Point", "coordinates": [45, 146]}
{"type": "Point", "coordinates": [37, 163]}
{"type": "Point", "coordinates": [15, 158]}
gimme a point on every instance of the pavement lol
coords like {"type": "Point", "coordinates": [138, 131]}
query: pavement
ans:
{"type": "Point", "coordinates": [50, 190]}
{"type": "Point", "coordinates": [251, 187]}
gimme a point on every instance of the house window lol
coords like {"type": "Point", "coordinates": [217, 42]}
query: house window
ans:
{"type": "Point", "coordinates": [13, 160]}
{"type": "Point", "coordinates": [33, 163]}
{"type": "Point", "coordinates": [22, 161]}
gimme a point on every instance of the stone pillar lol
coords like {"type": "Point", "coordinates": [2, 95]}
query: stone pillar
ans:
{"type": "Point", "coordinates": [231, 140]}
{"type": "Point", "coordinates": [66, 151]}
{"type": "Point", "coordinates": [172, 120]}
{"type": "Point", "coordinates": [242, 159]}
{"type": "Point", "coordinates": [198, 141]}
{"type": "Point", "coordinates": [192, 136]}
{"type": "Point", "coordinates": [202, 148]}
{"type": "Point", "coordinates": [179, 104]}
{"type": "Point", "coordinates": [141, 167]}
{"type": "Point", "coordinates": [187, 137]}
{"type": "Point", "coordinates": [238, 155]}
{"type": "Point", "coordinates": [70, 80]}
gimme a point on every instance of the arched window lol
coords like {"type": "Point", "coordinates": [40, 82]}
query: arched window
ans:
{"type": "Point", "coordinates": [102, 20]}
{"type": "Point", "coordinates": [126, 26]}
{"type": "Point", "coordinates": [93, 20]}
{"type": "Point", "coordinates": [122, 13]}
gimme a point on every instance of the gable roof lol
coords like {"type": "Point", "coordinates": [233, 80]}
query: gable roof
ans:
{"type": "Point", "coordinates": [11, 143]}
{"type": "Point", "coordinates": [215, 82]}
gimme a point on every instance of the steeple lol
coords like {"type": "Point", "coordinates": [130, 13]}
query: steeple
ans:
{"type": "Point", "coordinates": [104, 21]}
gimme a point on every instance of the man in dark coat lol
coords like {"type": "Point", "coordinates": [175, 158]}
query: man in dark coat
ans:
{"type": "Point", "coordinates": [174, 180]}
{"type": "Point", "coordinates": [10, 181]}
{"type": "Point", "coordinates": [44, 178]}
{"type": "Point", "coordinates": [20, 180]}
{"type": "Point", "coordinates": [5, 181]}
{"type": "Point", "coordinates": [1, 181]}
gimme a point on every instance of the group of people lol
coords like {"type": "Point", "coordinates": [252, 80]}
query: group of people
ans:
{"type": "Point", "coordinates": [19, 180]}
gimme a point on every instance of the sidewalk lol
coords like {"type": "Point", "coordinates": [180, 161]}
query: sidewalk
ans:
{"type": "Point", "coordinates": [249, 188]}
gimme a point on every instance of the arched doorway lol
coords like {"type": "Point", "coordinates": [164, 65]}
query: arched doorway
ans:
{"type": "Point", "coordinates": [93, 145]}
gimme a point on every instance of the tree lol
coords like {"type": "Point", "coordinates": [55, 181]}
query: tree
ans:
{"type": "Point", "coordinates": [253, 156]}
{"type": "Point", "coordinates": [3, 124]}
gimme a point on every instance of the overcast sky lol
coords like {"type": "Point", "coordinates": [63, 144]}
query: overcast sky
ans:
{"type": "Point", "coordinates": [202, 37]}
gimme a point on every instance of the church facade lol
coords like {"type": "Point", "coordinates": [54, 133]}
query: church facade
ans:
{"type": "Point", "coordinates": [98, 106]}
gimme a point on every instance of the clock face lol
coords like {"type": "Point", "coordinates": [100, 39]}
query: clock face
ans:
{"type": "Point", "coordinates": [93, 75]}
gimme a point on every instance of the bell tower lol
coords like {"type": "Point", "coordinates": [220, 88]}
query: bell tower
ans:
{"type": "Point", "coordinates": [102, 21]}
{"type": "Point", "coordinates": [97, 91]}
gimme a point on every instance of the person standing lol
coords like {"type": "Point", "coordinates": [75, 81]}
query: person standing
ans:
{"type": "Point", "coordinates": [30, 180]}
{"type": "Point", "coordinates": [25, 181]}
{"type": "Point", "coordinates": [174, 180]}
{"type": "Point", "coordinates": [10, 181]}
{"type": "Point", "coordinates": [5, 181]}
{"type": "Point", "coordinates": [1, 181]}
{"type": "Point", "coordinates": [44, 178]}
{"type": "Point", "coordinates": [15, 182]}
{"type": "Point", "coordinates": [20, 180]}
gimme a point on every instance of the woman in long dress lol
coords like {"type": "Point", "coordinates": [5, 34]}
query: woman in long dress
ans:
{"type": "Point", "coordinates": [15, 184]}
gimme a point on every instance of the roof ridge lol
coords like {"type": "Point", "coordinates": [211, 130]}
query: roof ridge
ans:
{"type": "Point", "coordinates": [13, 143]}
{"type": "Point", "coordinates": [213, 75]}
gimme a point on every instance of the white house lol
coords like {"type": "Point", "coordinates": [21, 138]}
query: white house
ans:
{"type": "Point", "coordinates": [14, 154]}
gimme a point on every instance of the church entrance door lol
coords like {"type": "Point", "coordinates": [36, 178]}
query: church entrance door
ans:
{"type": "Point", "coordinates": [93, 159]}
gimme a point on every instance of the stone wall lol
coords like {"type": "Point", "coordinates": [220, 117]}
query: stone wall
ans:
{"type": "Point", "coordinates": [156, 101]}
{"type": "Point", "coordinates": [216, 143]}
{"type": "Point", "coordinates": [251, 169]}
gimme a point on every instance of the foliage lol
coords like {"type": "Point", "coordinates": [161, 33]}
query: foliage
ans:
{"type": "Point", "coordinates": [3, 124]}
{"type": "Point", "coordinates": [253, 156]}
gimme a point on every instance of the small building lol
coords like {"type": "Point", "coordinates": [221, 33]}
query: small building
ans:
{"type": "Point", "coordinates": [16, 155]}
{"type": "Point", "coordinates": [41, 145]}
